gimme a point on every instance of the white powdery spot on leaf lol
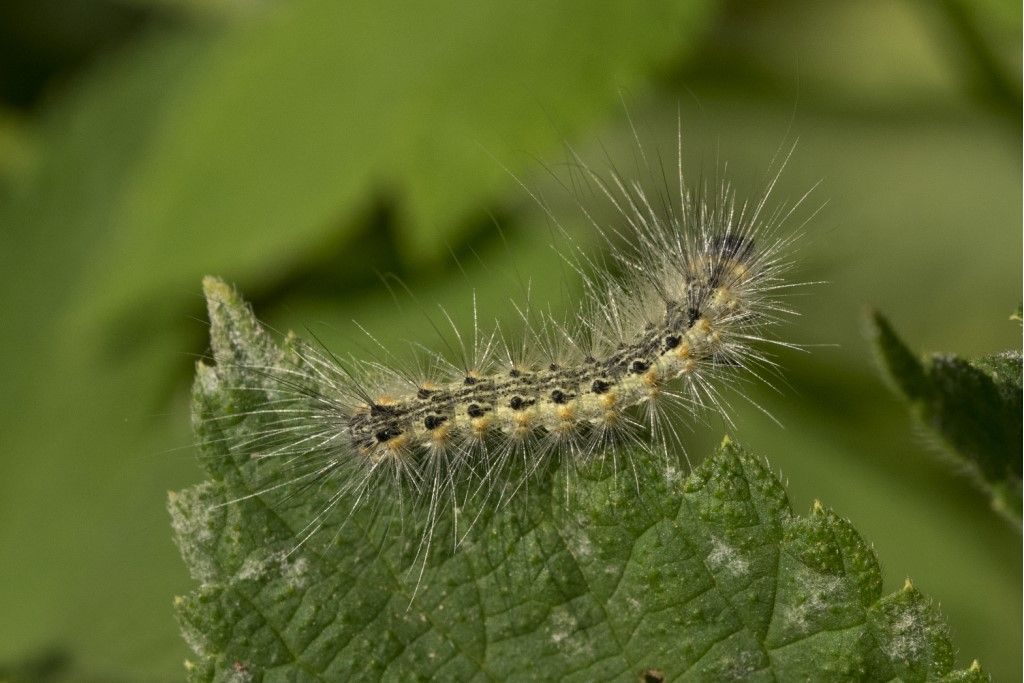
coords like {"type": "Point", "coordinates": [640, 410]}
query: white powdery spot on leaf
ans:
{"type": "Point", "coordinates": [908, 639]}
{"type": "Point", "coordinates": [635, 606]}
{"type": "Point", "coordinates": [192, 636]}
{"type": "Point", "coordinates": [209, 381]}
{"type": "Point", "coordinates": [579, 543]}
{"type": "Point", "coordinates": [674, 475]}
{"type": "Point", "coordinates": [296, 573]}
{"type": "Point", "coordinates": [818, 592]}
{"type": "Point", "coordinates": [192, 523]}
{"type": "Point", "coordinates": [740, 667]}
{"type": "Point", "coordinates": [726, 558]}
{"type": "Point", "coordinates": [566, 635]}
{"type": "Point", "coordinates": [240, 673]}
{"type": "Point", "coordinates": [252, 569]}
{"type": "Point", "coordinates": [293, 570]}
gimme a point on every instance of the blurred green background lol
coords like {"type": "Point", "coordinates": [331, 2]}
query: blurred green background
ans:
{"type": "Point", "coordinates": [300, 148]}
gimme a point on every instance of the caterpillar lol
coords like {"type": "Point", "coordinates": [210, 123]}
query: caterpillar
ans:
{"type": "Point", "coordinates": [680, 310]}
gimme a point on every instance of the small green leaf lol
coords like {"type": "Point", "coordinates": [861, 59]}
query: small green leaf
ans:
{"type": "Point", "coordinates": [706, 577]}
{"type": "Point", "coordinates": [974, 406]}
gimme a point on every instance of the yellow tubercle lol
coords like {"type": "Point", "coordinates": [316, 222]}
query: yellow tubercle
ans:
{"type": "Point", "coordinates": [565, 427]}
{"type": "Point", "coordinates": [440, 435]}
{"type": "Point", "coordinates": [724, 298]}
{"type": "Point", "coordinates": [480, 425]}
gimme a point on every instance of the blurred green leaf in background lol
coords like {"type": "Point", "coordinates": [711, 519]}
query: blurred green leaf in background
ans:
{"type": "Point", "coordinates": [298, 148]}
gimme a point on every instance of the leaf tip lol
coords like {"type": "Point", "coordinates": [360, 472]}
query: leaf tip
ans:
{"type": "Point", "coordinates": [215, 288]}
{"type": "Point", "coordinates": [900, 365]}
{"type": "Point", "coordinates": [817, 508]}
{"type": "Point", "coordinates": [878, 327]}
{"type": "Point", "coordinates": [221, 297]}
{"type": "Point", "coordinates": [236, 336]}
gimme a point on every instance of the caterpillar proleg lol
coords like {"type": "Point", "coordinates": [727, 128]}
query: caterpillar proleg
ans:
{"type": "Point", "coordinates": [682, 309]}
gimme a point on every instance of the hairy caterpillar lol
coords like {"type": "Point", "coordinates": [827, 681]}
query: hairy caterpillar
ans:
{"type": "Point", "coordinates": [695, 282]}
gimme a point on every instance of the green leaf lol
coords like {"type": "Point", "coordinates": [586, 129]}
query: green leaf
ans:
{"type": "Point", "coordinates": [264, 140]}
{"type": "Point", "coordinates": [973, 406]}
{"type": "Point", "coordinates": [705, 577]}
